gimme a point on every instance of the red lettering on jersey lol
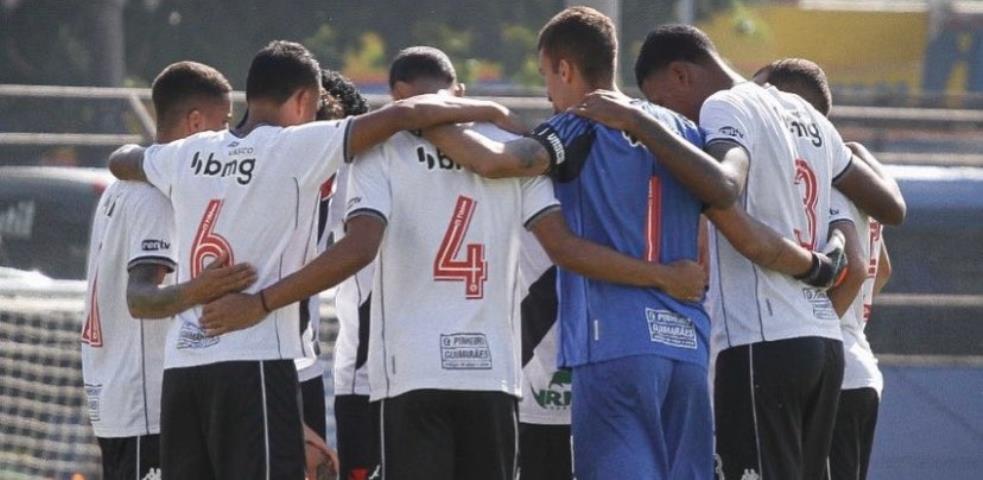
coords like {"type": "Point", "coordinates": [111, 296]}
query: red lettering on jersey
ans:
{"type": "Point", "coordinates": [653, 222]}
{"type": "Point", "coordinates": [92, 331]}
{"type": "Point", "coordinates": [208, 244]}
{"type": "Point", "coordinates": [810, 198]}
{"type": "Point", "coordinates": [473, 270]}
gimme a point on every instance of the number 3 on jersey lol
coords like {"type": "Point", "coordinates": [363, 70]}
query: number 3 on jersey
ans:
{"type": "Point", "coordinates": [473, 269]}
{"type": "Point", "coordinates": [208, 244]}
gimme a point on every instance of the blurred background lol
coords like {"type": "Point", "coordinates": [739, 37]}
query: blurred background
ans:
{"type": "Point", "coordinates": [907, 79]}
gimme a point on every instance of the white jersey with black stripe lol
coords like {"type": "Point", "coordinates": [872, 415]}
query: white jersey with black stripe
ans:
{"type": "Point", "coordinates": [445, 309]}
{"type": "Point", "coordinates": [795, 154]}
{"type": "Point", "coordinates": [860, 365]}
{"type": "Point", "coordinates": [123, 357]}
{"type": "Point", "coordinates": [254, 197]}
{"type": "Point", "coordinates": [546, 388]}
{"type": "Point", "coordinates": [351, 372]}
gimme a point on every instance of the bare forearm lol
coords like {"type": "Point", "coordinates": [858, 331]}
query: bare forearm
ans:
{"type": "Point", "coordinates": [491, 159]}
{"type": "Point", "coordinates": [429, 110]}
{"type": "Point", "coordinates": [604, 264]}
{"type": "Point", "coordinates": [713, 182]}
{"type": "Point", "coordinates": [340, 261]}
{"type": "Point", "coordinates": [759, 243]}
{"type": "Point", "coordinates": [153, 301]}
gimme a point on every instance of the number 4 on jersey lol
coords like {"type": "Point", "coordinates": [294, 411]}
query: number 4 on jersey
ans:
{"type": "Point", "coordinates": [208, 244]}
{"type": "Point", "coordinates": [472, 270]}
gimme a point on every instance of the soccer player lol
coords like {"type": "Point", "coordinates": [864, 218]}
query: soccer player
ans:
{"type": "Point", "coordinates": [339, 99]}
{"type": "Point", "coordinates": [781, 360]}
{"type": "Point", "coordinates": [229, 403]}
{"type": "Point", "coordinates": [356, 422]}
{"type": "Point", "coordinates": [131, 251]}
{"type": "Point", "coordinates": [444, 351]}
{"type": "Point", "coordinates": [856, 416]}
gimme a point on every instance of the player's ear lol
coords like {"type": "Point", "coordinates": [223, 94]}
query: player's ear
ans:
{"type": "Point", "coordinates": [400, 90]}
{"type": "Point", "coordinates": [679, 72]}
{"type": "Point", "coordinates": [194, 121]}
{"type": "Point", "coordinates": [565, 70]}
{"type": "Point", "coordinates": [459, 89]}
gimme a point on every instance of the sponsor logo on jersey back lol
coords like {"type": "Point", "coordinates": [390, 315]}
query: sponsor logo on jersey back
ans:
{"type": "Point", "coordinates": [92, 394]}
{"type": "Point", "coordinates": [465, 351]}
{"type": "Point", "coordinates": [671, 328]}
{"type": "Point", "coordinates": [192, 336]}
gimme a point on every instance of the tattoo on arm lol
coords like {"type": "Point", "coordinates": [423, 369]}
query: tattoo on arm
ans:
{"type": "Point", "coordinates": [529, 155]}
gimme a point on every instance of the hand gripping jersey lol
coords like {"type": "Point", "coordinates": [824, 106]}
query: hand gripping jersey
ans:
{"type": "Point", "coordinates": [546, 389]}
{"type": "Point", "coordinates": [352, 301]}
{"type": "Point", "coordinates": [254, 197]}
{"type": "Point", "coordinates": [445, 309]}
{"type": "Point", "coordinates": [123, 357]}
{"type": "Point", "coordinates": [616, 193]}
{"type": "Point", "coordinates": [861, 369]}
{"type": "Point", "coordinates": [795, 154]}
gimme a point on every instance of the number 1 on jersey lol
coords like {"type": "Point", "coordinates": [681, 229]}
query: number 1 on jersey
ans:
{"type": "Point", "coordinates": [208, 244]}
{"type": "Point", "coordinates": [473, 270]}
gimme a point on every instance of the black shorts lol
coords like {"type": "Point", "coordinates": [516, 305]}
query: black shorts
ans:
{"type": "Point", "coordinates": [544, 452]}
{"type": "Point", "coordinates": [774, 405]}
{"type": "Point", "coordinates": [853, 436]}
{"type": "Point", "coordinates": [230, 420]}
{"type": "Point", "coordinates": [449, 435]}
{"type": "Point", "coordinates": [129, 458]}
{"type": "Point", "coordinates": [357, 428]}
{"type": "Point", "coordinates": [315, 412]}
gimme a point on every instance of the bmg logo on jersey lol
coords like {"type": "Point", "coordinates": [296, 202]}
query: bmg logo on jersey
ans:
{"type": "Point", "coordinates": [242, 169]}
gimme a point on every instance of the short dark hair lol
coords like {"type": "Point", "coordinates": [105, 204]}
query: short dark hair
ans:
{"type": "Point", "coordinates": [584, 37]}
{"type": "Point", "coordinates": [342, 97]}
{"type": "Point", "coordinates": [183, 82]}
{"type": "Point", "coordinates": [279, 70]}
{"type": "Point", "coordinates": [421, 62]}
{"type": "Point", "coordinates": [802, 77]}
{"type": "Point", "coordinates": [672, 43]}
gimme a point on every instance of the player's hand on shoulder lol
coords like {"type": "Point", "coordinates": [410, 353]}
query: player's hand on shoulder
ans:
{"type": "Point", "coordinates": [687, 281]}
{"type": "Point", "coordinates": [829, 266]}
{"type": "Point", "coordinates": [610, 108]}
{"type": "Point", "coordinates": [322, 461]}
{"type": "Point", "coordinates": [232, 312]}
{"type": "Point", "coordinates": [220, 278]}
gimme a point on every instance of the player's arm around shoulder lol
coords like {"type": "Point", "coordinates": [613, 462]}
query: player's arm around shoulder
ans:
{"type": "Point", "coordinates": [716, 181]}
{"type": "Point", "coordinates": [126, 163]}
{"type": "Point", "coordinates": [424, 111]}
{"type": "Point", "coordinates": [865, 182]}
{"type": "Point", "coordinates": [685, 280]}
{"type": "Point", "coordinates": [489, 158]}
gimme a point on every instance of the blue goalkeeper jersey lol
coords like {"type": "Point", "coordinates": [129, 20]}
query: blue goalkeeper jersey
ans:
{"type": "Point", "coordinates": [616, 193]}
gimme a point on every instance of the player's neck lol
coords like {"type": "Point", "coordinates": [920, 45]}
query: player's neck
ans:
{"type": "Point", "coordinates": [168, 135]}
{"type": "Point", "coordinates": [259, 114]}
{"type": "Point", "coordinates": [728, 76]}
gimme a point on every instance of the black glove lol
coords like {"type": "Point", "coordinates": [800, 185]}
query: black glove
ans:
{"type": "Point", "coordinates": [828, 266]}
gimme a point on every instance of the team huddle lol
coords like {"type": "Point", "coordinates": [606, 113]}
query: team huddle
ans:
{"type": "Point", "coordinates": [667, 288]}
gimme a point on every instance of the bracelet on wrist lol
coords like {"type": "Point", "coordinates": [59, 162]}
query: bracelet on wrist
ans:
{"type": "Point", "coordinates": [262, 300]}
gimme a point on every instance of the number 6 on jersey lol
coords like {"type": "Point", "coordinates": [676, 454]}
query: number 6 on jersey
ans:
{"type": "Point", "coordinates": [473, 270]}
{"type": "Point", "coordinates": [208, 244]}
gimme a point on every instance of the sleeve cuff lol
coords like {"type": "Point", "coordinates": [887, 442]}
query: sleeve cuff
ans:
{"type": "Point", "coordinates": [540, 214]}
{"type": "Point", "coordinates": [366, 211]}
{"type": "Point", "coordinates": [165, 262]}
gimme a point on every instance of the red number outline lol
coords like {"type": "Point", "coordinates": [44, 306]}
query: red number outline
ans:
{"type": "Point", "coordinates": [473, 270]}
{"type": "Point", "coordinates": [209, 244]}
{"type": "Point", "coordinates": [810, 198]}
{"type": "Point", "coordinates": [92, 331]}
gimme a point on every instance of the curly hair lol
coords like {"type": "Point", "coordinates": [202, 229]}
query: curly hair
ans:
{"type": "Point", "coordinates": [340, 97]}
